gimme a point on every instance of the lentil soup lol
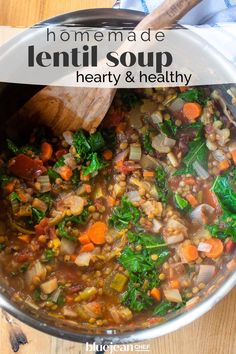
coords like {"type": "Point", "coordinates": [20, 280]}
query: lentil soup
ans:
{"type": "Point", "coordinates": [129, 222]}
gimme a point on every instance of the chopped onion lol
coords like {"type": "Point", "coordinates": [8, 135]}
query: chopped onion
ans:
{"type": "Point", "coordinates": [45, 185]}
{"type": "Point", "coordinates": [176, 105]}
{"type": "Point", "coordinates": [148, 161]}
{"type": "Point", "coordinates": [135, 152]}
{"type": "Point", "coordinates": [68, 312]}
{"type": "Point", "coordinates": [55, 295]}
{"type": "Point", "coordinates": [157, 225]}
{"type": "Point", "coordinates": [122, 155]}
{"type": "Point", "coordinates": [205, 274]}
{"type": "Point", "coordinates": [201, 172]}
{"type": "Point", "coordinates": [172, 295]}
{"type": "Point", "coordinates": [75, 203]}
{"type": "Point", "coordinates": [67, 246]}
{"type": "Point", "coordinates": [174, 239]}
{"type": "Point", "coordinates": [169, 142]}
{"type": "Point", "coordinates": [37, 270]}
{"type": "Point", "coordinates": [68, 136]}
{"type": "Point", "coordinates": [232, 146]}
{"type": "Point", "coordinates": [158, 144]}
{"type": "Point", "coordinates": [83, 259]}
{"type": "Point", "coordinates": [204, 247]}
{"type": "Point", "coordinates": [157, 117]}
{"type": "Point", "coordinates": [69, 161]}
{"type": "Point", "coordinates": [134, 196]}
{"type": "Point", "coordinates": [49, 286]}
{"type": "Point", "coordinates": [199, 213]}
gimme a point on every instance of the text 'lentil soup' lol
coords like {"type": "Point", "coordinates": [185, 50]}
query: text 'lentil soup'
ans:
{"type": "Point", "coordinates": [129, 222]}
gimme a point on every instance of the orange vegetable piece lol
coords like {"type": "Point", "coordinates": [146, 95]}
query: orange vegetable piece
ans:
{"type": "Point", "coordinates": [24, 238]}
{"type": "Point", "coordinates": [87, 248]}
{"type": "Point", "coordinates": [148, 174]}
{"type": "Point", "coordinates": [175, 284]}
{"type": "Point", "coordinates": [120, 127]}
{"type": "Point", "coordinates": [192, 200]}
{"type": "Point", "coordinates": [107, 154]}
{"type": "Point", "coordinates": [84, 239]}
{"type": "Point", "coordinates": [46, 151]}
{"type": "Point", "coordinates": [190, 181]}
{"type": "Point", "coordinates": [22, 197]}
{"type": "Point", "coordinates": [210, 198]}
{"type": "Point", "coordinates": [69, 299]}
{"type": "Point", "coordinates": [65, 172]}
{"type": "Point", "coordinates": [217, 248]}
{"type": "Point", "coordinates": [9, 187]}
{"type": "Point", "coordinates": [224, 165]}
{"type": "Point", "coordinates": [97, 233]}
{"type": "Point", "coordinates": [183, 88]}
{"type": "Point", "coordinates": [88, 188]}
{"type": "Point", "coordinates": [73, 257]}
{"type": "Point", "coordinates": [84, 178]}
{"type": "Point", "coordinates": [190, 252]}
{"type": "Point", "coordinates": [156, 294]}
{"type": "Point", "coordinates": [233, 154]}
{"type": "Point", "coordinates": [111, 201]}
{"type": "Point", "coordinates": [192, 110]}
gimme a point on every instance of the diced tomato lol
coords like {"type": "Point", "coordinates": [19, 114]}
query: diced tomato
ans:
{"type": "Point", "coordinates": [60, 153]}
{"type": "Point", "coordinates": [25, 167]}
{"type": "Point", "coordinates": [43, 228]}
{"type": "Point", "coordinates": [230, 246]}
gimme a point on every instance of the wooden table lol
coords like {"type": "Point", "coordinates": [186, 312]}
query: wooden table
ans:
{"type": "Point", "coordinates": [214, 333]}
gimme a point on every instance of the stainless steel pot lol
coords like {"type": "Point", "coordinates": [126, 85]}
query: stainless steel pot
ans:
{"type": "Point", "coordinates": [11, 97]}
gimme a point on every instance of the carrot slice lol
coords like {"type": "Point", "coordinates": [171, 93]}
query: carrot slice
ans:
{"type": "Point", "coordinates": [192, 110]}
{"type": "Point", "coordinates": [183, 88]}
{"type": "Point", "coordinates": [46, 151]}
{"type": "Point", "coordinates": [24, 238]}
{"type": "Point", "coordinates": [87, 248]}
{"type": "Point", "coordinates": [192, 200]}
{"type": "Point", "coordinates": [148, 174]}
{"type": "Point", "coordinates": [217, 248]}
{"type": "Point", "coordinates": [233, 154]}
{"type": "Point", "coordinates": [87, 188]}
{"type": "Point", "coordinates": [111, 201]}
{"type": "Point", "coordinates": [210, 198]}
{"type": "Point", "coordinates": [175, 284]}
{"type": "Point", "coordinates": [156, 294]}
{"type": "Point", "coordinates": [97, 233]}
{"type": "Point", "coordinates": [190, 252]}
{"type": "Point", "coordinates": [9, 187]}
{"type": "Point", "coordinates": [22, 197]}
{"type": "Point", "coordinates": [84, 239]}
{"type": "Point", "coordinates": [65, 172]}
{"type": "Point", "coordinates": [107, 154]}
{"type": "Point", "coordinates": [190, 181]}
{"type": "Point", "coordinates": [224, 165]}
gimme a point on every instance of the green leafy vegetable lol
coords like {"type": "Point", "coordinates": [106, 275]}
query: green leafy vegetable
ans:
{"type": "Point", "coordinates": [61, 300]}
{"type": "Point", "coordinates": [129, 98]}
{"type": "Point", "coordinates": [147, 144]}
{"type": "Point", "coordinates": [142, 269]}
{"type": "Point", "coordinates": [194, 95]}
{"type": "Point", "coordinates": [4, 179]}
{"type": "Point", "coordinates": [96, 141]}
{"type": "Point", "coordinates": [168, 127]}
{"type": "Point", "coordinates": [161, 184]}
{"type": "Point", "coordinates": [95, 165]}
{"type": "Point", "coordinates": [36, 295]}
{"type": "Point", "coordinates": [75, 179]}
{"type": "Point", "coordinates": [123, 214]}
{"type": "Point", "coordinates": [59, 163]}
{"type": "Point", "coordinates": [79, 220]}
{"type": "Point", "coordinates": [181, 203]}
{"type": "Point", "coordinates": [37, 215]}
{"type": "Point", "coordinates": [14, 197]}
{"type": "Point", "coordinates": [48, 255]}
{"type": "Point", "coordinates": [12, 147]}
{"type": "Point", "coordinates": [24, 267]}
{"type": "Point", "coordinates": [165, 306]}
{"type": "Point", "coordinates": [81, 144]}
{"type": "Point", "coordinates": [197, 151]}
{"type": "Point", "coordinates": [53, 175]}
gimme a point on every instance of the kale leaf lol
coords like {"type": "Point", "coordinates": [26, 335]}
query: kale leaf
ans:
{"type": "Point", "coordinates": [37, 215]}
{"type": "Point", "coordinates": [79, 220]}
{"type": "Point", "coordinates": [181, 203]}
{"type": "Point", "coordinates": [95, 165]}
{"type": "Point", "coordinates": [147, 143]}
{"type": "Point", "coordinates": [123, 214]}
{"type": "Point", "coordinates": [168, 128]}
{"type": "Point", "coordinates": [197, 151]}
{"type": "Point", "coordinates": [165, 306]}
{"type": "Point", "coordinates": [194, 95]}
{"type": "Point", "coordinates": [161, 184]}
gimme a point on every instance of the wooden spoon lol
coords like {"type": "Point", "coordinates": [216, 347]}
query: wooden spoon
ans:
{"type": "Point", "coordinates": [65, 108]}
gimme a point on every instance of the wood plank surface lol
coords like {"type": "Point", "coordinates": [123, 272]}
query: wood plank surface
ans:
{"type": "Point", "coordinates": [214, 333]}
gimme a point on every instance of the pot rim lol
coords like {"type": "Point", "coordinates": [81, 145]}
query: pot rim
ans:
{"type": "Point", "coordinates": [98, 15]}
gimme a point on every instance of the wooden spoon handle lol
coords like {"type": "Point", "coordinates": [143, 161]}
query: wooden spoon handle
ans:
{"type": "Point", "coordinates": [167, 14]}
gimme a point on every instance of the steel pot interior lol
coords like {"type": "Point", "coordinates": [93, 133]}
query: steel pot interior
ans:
{"type": "Point", "coordinates": [11, 96]}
